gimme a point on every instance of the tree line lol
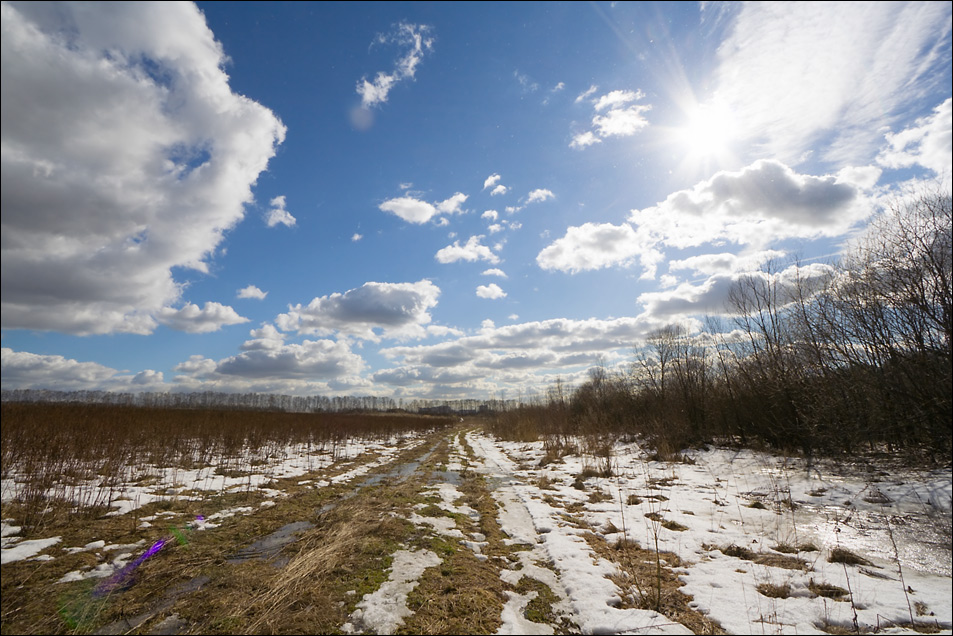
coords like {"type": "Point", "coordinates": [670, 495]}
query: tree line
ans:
{"type": "Point", "coordinates": [819, 359]}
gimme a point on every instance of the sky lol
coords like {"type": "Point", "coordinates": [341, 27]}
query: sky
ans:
{"type": "Point", "coordinates": [433, 200]}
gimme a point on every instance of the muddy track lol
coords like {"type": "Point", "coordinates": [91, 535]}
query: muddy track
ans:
{"type": "Point", "coordinates": [445, 538]}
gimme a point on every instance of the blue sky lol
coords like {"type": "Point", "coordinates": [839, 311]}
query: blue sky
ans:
{"type": "Point", "coordinates": [433, 200]}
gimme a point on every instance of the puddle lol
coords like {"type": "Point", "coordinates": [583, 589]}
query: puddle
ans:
{"type": "Point", "coordinates": [131, 623]}
{"type": "Point", "coordinates": [923, 541]}
{"type": "Point", "coordinates": [270, 546]}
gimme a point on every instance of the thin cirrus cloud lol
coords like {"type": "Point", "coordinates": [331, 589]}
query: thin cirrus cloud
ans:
{"type": "Point", "coordinates": [416, 41]}
{"type": "Point", "coordinates": [767, 72]}
{"type": "Point", "coordinates": [125, 155]}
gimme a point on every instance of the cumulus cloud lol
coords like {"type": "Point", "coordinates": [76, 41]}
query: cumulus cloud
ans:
{"type": "Point", "coordinates": [767, 73]}
{"type": "Point", "coordinates": [756, 206]}
{"type": "Point", "coordinates": [312, 359]}
{"type": "Point", "coordinates": [410, 209]}
{"type": "Point", "coordinates": [540, 194]}
{"type": "Point", "coordinates": [125, 154]}
{"type": "Point", "coordinates": [416, 41]}
{"type": "Point", "coordinates": [616, 116]}
{"type": "Point", "coordinates": [490, 215]}
{"type": "Point", "coordinates": [616, 99]}
{"type": "Point", "coordinates": [416, 211]}
{"type": "Point", "coordinates": [252, 292]}
{"type": "Point", "coordinates": [23, 370]}
{"type": "Point", "coordinates": [584, 139]}
{"type": "Point", "coordinates": [711, 297]}
{"type": "Point", "coordinates": [494, 272]}
{"type": "Point", "coordinates": [397, 310]}
{"type": "Point", "coordinates": [491, 181]}
{"type": "Point", "coordinates": [356, 237]}
{"type": "Point", "coordinates": [491, 291]}
{"type": "Point", "coordinates": [591, 246]}
{"type": "Point", "coordinates": [453, 204]}
{"type": "Point", "coordinates": [550, 344]}
{"type": "Point", "coordinates": [278, 215]}
{"type": "Point", "coordinates": [724, 262]}
{"type": "Point", "coordinates": [190, 319]}
{"type": "Point", "coordinates": [472, 251]}
{"type": "Point", "coordinates": [929, 142]}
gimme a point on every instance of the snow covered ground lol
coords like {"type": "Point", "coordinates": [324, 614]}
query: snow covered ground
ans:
{"type": "Point", "coordinates": [730, 499]}
{"type": "Point", "coordinates": [756, 535]}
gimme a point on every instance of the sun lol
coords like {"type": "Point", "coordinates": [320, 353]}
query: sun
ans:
{"type": "Point", "coordinates": [708, 132]}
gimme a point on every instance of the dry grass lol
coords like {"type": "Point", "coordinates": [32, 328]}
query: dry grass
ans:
{"type": "Point", "coordinates": [648, 582]}
{"type": "Point", "coordinates": [772, 590]}
{"type": "Point", "coordinates": [765, 558]}
{"type": "Point", "coordinates": [843, 555]}
{"type": "Point", "coordinates": [827, 590]}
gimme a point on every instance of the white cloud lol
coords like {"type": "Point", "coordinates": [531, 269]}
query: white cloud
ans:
{"type": "Point", "coordinates": [474, 250]}
{"type": "Point", "coordinates": [23, 370]}
{"type": "Point", "coordinates": [725, 262]}
{"type": "Point", "coordinates": [558, 87]}
{"type": "Point", "coordinates": [492, 180]}
{"type": "Point", "coordinates": [584, 139]}
{"type": "Point", "coordinates": [410, 209]}
{"type": "Point", "coordinates": [494, 272]}
{"type": "Point", "coordinates": [312, 359]}
{"type": "Point", "coordinates": [929, 143]}
{"type": "Point", "coordinates": [278, 214]}
{"type": "Point", "coordinates": [452, 205]}
{"type": "Point", "coordinates": [416, 211]}
{"type": "Point", "coordinates": [494, 228]}
{"type": "Point", "coordinates": [591, 246]}
{"type": "Point", "coordinates": [768, 75]}
{"type": "Point", "coordinates": [252, 292]}
{"type": "Point", "coordinates": [711, 297]}
{"type": "Point", "coordinates": [190, 319]}
{"type": "Point", "coordinates": [621, 122]}
{"type": "Point", "coordinates": [356, 237]}
{"type": "Point", "coordinates": [399, 310]}
{"type": "Point", "coordinates": [540, 194]}
{"type": "Point", "coordinates": [417, 42]}
{"type": "Point", "coordinates": [616, 99]}
{"type": "Point", "coordinates": [618, 120]}
{"type": "Point", "coordinates": [586, 94]}
{"type": "Point", "coordinates": [756, 206]}
{"type": "Point", "coordinates": [491, 291]}
{"type": "Point", "coordinates": [491, 215]}
{"type": "Point", "coordinates": [125, 154]}
{"type": "Point", "coordinates": [498, 190]}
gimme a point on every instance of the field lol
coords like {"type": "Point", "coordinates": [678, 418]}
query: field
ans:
{"type": "Point", "coordinates": [119, 520]}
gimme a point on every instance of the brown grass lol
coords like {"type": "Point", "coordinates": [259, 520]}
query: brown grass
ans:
{"type": "Point", "coordinates": [645, 585]}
